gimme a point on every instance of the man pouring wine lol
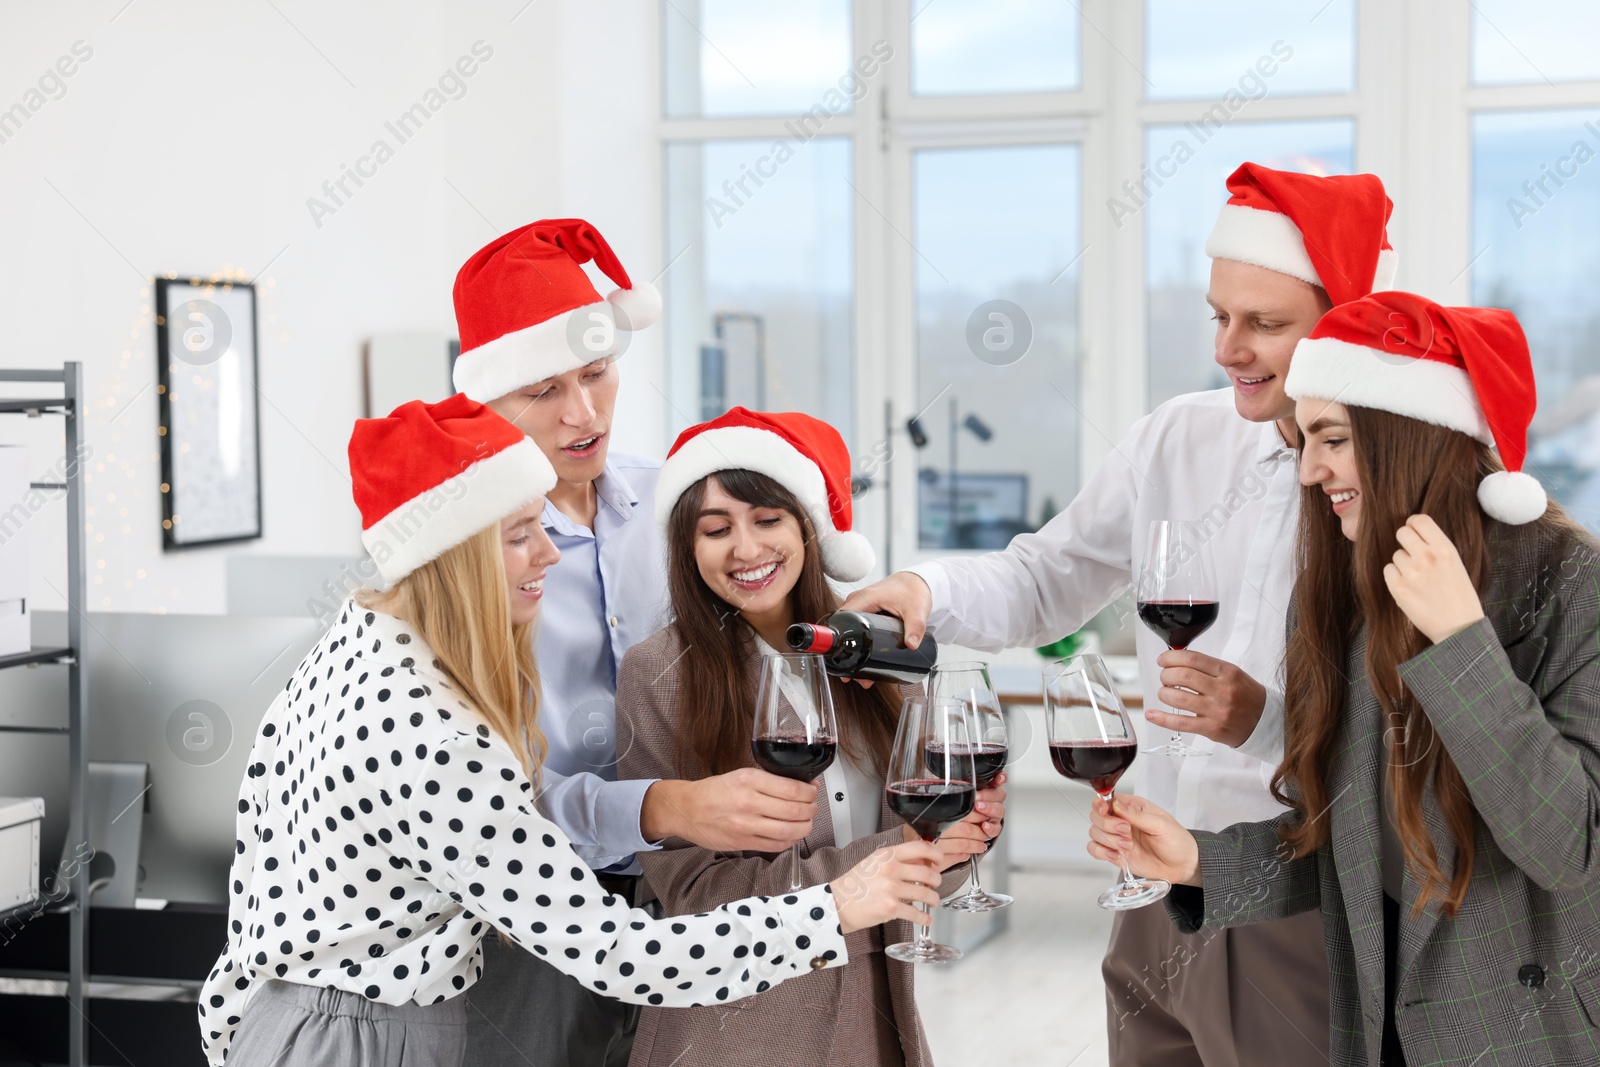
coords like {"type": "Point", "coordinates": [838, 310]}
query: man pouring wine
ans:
{"type": "Point", "coordinates": [1285, 249]}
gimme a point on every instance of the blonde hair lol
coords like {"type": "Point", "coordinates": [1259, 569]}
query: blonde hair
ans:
{"type": "Point", "coordinates": [458, 604]}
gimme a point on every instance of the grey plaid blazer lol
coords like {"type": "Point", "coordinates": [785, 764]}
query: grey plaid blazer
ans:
{"type": "Point", "coordinates": [1514, 978]}
{"type": "Point", "coordinates": [829, 1018]}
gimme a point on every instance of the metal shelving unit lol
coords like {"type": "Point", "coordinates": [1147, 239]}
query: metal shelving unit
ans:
{"type": "Point", "coordinates": [70, 406]}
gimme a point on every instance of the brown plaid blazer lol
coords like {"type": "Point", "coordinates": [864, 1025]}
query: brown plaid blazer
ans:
{"type": "Point", "coordinates": [824, 1019]}
{"type": "Point", "coordinates": [1514, 978]}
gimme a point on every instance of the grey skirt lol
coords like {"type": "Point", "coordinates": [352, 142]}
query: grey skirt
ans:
{"type": "Point", "coordinates": [290, 1025]}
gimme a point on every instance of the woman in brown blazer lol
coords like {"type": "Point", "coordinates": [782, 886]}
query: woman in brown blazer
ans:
{"type": "Point", "coordinates": [753, 534]}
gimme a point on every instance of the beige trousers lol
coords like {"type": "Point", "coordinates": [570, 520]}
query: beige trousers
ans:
{"type": "Point", "coordinates": [1252, 996]}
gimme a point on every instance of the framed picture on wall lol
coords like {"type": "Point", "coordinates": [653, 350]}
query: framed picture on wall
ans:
{"type": "Point", "coordinates": [210, 413]}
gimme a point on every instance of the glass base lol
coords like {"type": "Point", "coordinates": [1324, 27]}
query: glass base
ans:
{"type": "Point", "coordinates": [1176, 748]}
{"type": "Point", "coordinates": [911, 952]}
{"type": "Point", "coordinates": [979, 901]}
{"type": "Point", "coordinates": [1134, 894]}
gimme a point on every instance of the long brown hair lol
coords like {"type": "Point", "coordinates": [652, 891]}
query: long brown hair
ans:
{"type": "Point", "coordinates": [460, 606]}
{"type": "Point", "coordinates": [1406, 467]}
{"type": "Point", "coordinates": [717, 673]}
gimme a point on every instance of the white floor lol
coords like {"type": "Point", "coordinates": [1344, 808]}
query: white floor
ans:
{"type": "Point", "coordinates": [1031, 995]}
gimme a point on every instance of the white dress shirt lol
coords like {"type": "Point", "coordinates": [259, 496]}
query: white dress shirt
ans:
{"type": "Point", "coordinates": [1193, 458]}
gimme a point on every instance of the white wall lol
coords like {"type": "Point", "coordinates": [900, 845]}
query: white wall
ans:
{"type": "Point", "coordinates": [190, 141]}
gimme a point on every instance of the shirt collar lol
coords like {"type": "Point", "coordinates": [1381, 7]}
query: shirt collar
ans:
{"type": "Point", "coordinates": [611, 490]}
{"type": "Point", "coordinates": [1270, 446]}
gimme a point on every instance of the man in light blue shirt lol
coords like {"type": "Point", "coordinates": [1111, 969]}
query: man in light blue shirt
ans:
{"type": "Point", "coordinates": [539, 346]}
{"type": "Point", "coordinates": [608, 593]}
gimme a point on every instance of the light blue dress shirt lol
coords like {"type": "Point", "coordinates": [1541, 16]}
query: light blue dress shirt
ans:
{"type": "Point", "coordinates": [608, 593]}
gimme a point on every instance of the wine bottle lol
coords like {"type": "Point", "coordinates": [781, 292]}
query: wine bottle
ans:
{"type": "Point", "coordinates": [855, 644]}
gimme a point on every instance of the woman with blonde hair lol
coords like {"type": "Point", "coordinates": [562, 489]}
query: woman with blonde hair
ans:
{"type": "Point", "coordinates": [1442, 747]}
{"type": "Point", "coordinates": [387, 821]}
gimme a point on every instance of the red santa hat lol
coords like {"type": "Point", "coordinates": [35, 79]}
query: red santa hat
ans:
{"type": "Point", "coordinates": [804, 455]}
{"type": "Point", "coordinates": [1328, 231]}
{"type": "Point", "coordinates": [1460, 367]}
{"type": "Point", "coordinates": [527, 311]}
{"type": "Point", "coordinates": [430, 476]}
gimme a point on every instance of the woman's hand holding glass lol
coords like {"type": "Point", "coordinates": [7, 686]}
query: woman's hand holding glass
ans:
{"type": "Point", "coordinates": [970, 836]}
{"type": "Point", "coordinates": [886, 885]}
{"type": "Point", "coordinates": [1146, 837]}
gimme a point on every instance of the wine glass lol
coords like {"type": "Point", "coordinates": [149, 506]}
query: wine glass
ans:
{"type": "Point", "coordinates": [796, 735]}
{"type": "Point", "coordinates": [931, 786]}
{"type": "Point", "coordinates": [1092, 741]}
{"type": "Point", "coordinates": [969, 683]}
{"type": "Point", "coordinates": [1177, 598]}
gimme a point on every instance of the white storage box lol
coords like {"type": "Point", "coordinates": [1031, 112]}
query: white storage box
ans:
{"type": "Point", "coordinates": [20, 819]}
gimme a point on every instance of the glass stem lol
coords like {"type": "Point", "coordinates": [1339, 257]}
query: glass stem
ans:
{"type": "Point", "coordinates": [794, 867]}
{"type": "Point", "coordinates": [922, 935]}
{"type": "Point", "coordinates": [1127, 873]}
{"type": "Point", "coordinates": [972, 866]}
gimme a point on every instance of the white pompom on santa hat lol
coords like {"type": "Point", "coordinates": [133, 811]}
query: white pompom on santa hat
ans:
{"type": "Point", "coordinates": [804, 455]}
{"type": "Point", "coordinates": [430, 476]}
{"type": "Point", "coordinates": [1330, 230]}
{"type": "Point", "coordinates": [1461, 367]}
{"type": "Point", "coordinates": [527, 311]}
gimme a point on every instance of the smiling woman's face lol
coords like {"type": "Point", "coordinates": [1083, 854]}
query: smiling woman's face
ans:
{"type": "Point", "coordinates": [749, 556]}
{"type": "Point", "coordinates": [528, 553]}
{"type": "Point", "coordinates": [1328, 459]}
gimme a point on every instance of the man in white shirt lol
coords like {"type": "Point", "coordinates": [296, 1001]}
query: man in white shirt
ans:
{"type": "Point", "coordinates": [1285, 249]}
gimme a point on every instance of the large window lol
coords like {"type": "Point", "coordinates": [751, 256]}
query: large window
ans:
{"type": "Point", "coordinates": [728, 57]}
{"type": "Point", "coordinates": [1535, 211]}
{"type": "Point", "coordinates": [760, 297]}
{"type": "Point", "coordinates": [1209, 50]}
{"type": "Point", "coordinates": [872, 200]}
{"type": "Point", "coordinates": [963, 47]}
{"type": "Point", "coordinates": [996, 340]}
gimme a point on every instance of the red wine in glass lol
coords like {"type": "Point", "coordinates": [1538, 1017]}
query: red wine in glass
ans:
{"type": "Point", "coordinates": [1099, 763]}
{"type": "Point", "coordinates": [1176, 593]}
{"type": "Point", "coordinates": [795, 734]}
{"type": "Point", "coordinates": [1092, 741]}
{"type": "Point", "coordinates": [968, 681]}
{"type": "Point", "coordinates": [931, 805]}
{"type": "Point", "coordinates": [982, 762]}
{"type": "Point", "coordinates": [1178, 622]}
{"type": "Point", "coordinates": [929, 785]}
{"type": "Point", "coordinates": [795, 756]}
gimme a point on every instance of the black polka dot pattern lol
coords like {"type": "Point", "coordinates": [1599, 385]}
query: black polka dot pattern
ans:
{"type": "Point", "coordinates": [382, 830]}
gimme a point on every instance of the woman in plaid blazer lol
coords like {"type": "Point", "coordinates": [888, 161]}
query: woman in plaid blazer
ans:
{"type": "Point", "coordinates": [1442, 724]}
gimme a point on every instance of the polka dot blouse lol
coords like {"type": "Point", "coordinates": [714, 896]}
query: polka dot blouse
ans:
{"type": "Point", "coordinates": [383, 830]}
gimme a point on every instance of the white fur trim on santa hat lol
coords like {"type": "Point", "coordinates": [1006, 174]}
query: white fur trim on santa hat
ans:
{"type": "Point", "coordinates": [543, 350]}
{"type": "Point", "coordinates": [1388, 266]}
{"type": "Point", "coordinates": [846, 556]}
{"type": "Point", "coordinates": [639, 306]}
{"type": "Point", "coordinates": [433, 522]}
{"type": "Point", "coordinates": [1512, 497]}
{"type": "Point", "coordinates": [1345, 373]}
{"type": "Point", "coordinates": [1267, 239]}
